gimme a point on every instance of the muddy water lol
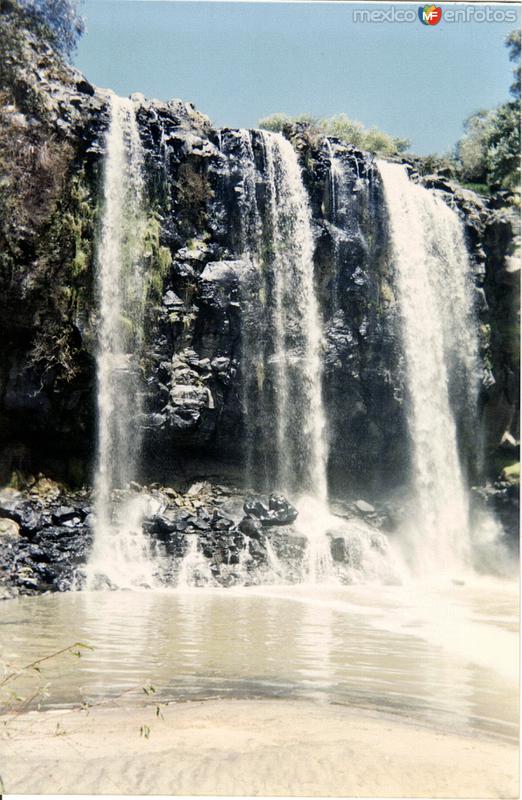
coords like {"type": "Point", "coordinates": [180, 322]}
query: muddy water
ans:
{"type": "Point", "coordinates": [445, 656]}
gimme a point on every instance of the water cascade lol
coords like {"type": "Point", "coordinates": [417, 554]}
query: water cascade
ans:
{"type": "Point", "coordinates": [194, 569]}
{"type": "Point", "coordinates": [282, 338]}
{"type": "Point", "coordinates": [297, 327]}
{"type": "Point", "coordinates": [120, 555]}
{"type": "Point", "coordinates": [434, 289]}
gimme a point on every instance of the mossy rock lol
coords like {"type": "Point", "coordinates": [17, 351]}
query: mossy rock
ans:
{"type": "Point", "coordinates": [511, 473]}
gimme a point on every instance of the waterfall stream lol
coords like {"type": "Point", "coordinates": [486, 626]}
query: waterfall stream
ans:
{"type": "Point", "coordinates": [282, 338]}
{"type": "Point", "coordinates": [440, 344]}
{"type": "Point", "coordinates": [298, 334]}
{"type": "Point", "coordinates": [120, 555]}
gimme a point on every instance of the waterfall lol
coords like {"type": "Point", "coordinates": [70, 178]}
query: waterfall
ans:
{"type": "Point", "coordinates": [120, 557]}
{"type": "Point", "coordinates": [439, 334]}
{"type": "Point", "coordinates": [301, 427]}
{"type": "Point", "coordinates": [282, 335]}
{"type": "Point", "coordinates": [335, 174]}
{"type": "Point", "coordinates": [194, 569]}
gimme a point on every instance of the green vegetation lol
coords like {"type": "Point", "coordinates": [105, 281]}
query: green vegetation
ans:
{"type": "Point", "coordinates": [341, 127]}
{"type": "Point", "coordinates": [64, 253]}
{"type": "Point", "coordinates": [489, 152]}
{"type": "Point", "coordinates": [157, 257]}
{"type": "Point", "coordinates": [58, 21]}
{"type": "Point", "coordinates": [488, 155]}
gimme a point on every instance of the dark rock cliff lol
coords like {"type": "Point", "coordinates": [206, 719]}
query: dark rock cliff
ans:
{"type": "Point", "coordinates": [52, 127]}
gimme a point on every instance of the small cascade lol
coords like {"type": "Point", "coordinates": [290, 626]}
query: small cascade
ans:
{"type": "Point", "coordinates": [120, 557]}
{"type": "Point", "coordinates": [347, 202]}
{"type": "Point", "coordinates": [334, 178]}
{"type": "Point", "coordinates": [194, 569]}
{"type": "Point", "coordinates": [313, 522]}
{"type": "Point", "coordinates": [254, 294]}
{"type": "Point", "coordinates": [275, 566]}
{"type": "Point", "coordinates": [337, 185]}
{"type": "Point", "coordinates": [439, 332]}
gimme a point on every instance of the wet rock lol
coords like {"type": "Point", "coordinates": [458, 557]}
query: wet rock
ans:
{"type": "Point", "coordinates": [363, 507]}
{"type": "Point", "coordinates": [276, 511]}
{"type": "Point", "coordinates": [220, 364]}
{"type": "Point", "coordinates": [255, 507]}
{"type": "Point", "coordinates": [221, 523]}
{"type": "Point", "coordinates": [171, 300]}
{"type": "Point", "coordinates": [439, 182]}
{"type": "Point", "coordinates": [46, 489]}
{"type": "Point", "coordinates": [170, 522]}
{"type": "Point", "coordinates": [257, 549]}
{"type": "Point", "coordinates": [64, 514]}
{"type": "Point", "coordinates": [338, 548]}
{"type": "Point", "coordinates": [37, 553]}
{"type": "Point", "coordinates": [9, 529]}
{"type": "Point", "coordinates": [290, 550]}
{"type": "Point", "coordinates": [219, 284]}
{"type": "Point", "coordinates": [251, 526]}
{"type": "Point", "coordinates": [28, 581]}
{"type": "Point", "coordinates": [202, 525]}
{"type": "Point", "coordinates": [28, 515]}
{"type": "Point", "coordinates": [503, 499]}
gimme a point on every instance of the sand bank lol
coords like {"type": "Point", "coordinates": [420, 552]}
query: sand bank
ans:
{"type": "Point", "coordinates": [254, 747]}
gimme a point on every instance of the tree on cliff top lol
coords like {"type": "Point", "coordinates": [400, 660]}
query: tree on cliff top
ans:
{"type": "Point", "coordinates": [513, 45]}
{"type": "Point", "coordinates": [60, 19]}
{"type": "Point", "coordinates": [489, 152]}
{"type": "Point", "coordinates": [341, 127]}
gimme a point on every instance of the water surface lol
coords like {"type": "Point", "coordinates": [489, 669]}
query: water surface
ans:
{"type": "Point", "coordinates": [444, 656]}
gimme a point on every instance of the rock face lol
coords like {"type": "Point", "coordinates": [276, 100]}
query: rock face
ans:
{"type": "Point", "coordinates": [52, 127]}
{"type": "Point", "coordinates": [197, 540]}
{"type": "Point", "coordinates": [53, 537]}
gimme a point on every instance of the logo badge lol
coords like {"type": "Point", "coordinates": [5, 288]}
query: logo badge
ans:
{"type": "Point", "coordinates": [430, 15]}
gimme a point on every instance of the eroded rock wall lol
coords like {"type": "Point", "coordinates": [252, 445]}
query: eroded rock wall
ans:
{"type": "Point", "coordinates": [52, 127]}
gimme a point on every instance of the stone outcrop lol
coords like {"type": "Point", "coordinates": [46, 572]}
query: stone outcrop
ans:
{"type": "Point", "coordinates": [207, 530]}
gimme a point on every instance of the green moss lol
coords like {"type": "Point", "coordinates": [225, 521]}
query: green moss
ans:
{"type": "Point", "coordinates": [512, 472]}
{"type": "Point", "coordinates": [387, 294]}
{"type": "Point", "coordinates": [158, 258]}
{"type": "Point", "coordinates": [198, 242]}
{"type": "Point", "coordinates": [478, 188]}
{"type": "Point", "coordinates": [69, 240]}
{"type": "Point", "coordinates": [260, 375]}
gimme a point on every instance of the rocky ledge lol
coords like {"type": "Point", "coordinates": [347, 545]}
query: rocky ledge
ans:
{"type": "Point", "coordinates": [202, 534]}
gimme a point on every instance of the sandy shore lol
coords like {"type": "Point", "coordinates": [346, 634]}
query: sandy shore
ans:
{"type": "Point", "coordinates": [255, 747]}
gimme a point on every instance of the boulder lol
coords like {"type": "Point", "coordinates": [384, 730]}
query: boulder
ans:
{"type": "Point", "coordinates": [277, 510]}
{"type": "Point", "coordinates": [338, 548]}
{"type": "Point", "coordinates": [63, 514]}
{"type": "Point", "coordinates": [363, 507]}
{"type": "Point", "coordinates": [250, 527]}
{"type": "Point", "coordinates": [9, 529]}
{"type": "Point", "coordinates": [255, 507]}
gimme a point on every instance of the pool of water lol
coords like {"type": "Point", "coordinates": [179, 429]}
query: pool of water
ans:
{"type": "Point", "coordinates": [443, 655]}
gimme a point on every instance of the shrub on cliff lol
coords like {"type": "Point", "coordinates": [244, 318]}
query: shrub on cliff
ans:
{"type": "Point", "coordinates": [489, 151]}
{"type": "Point", "coordinates": [58, 22]}
{"type": "Point", "coordinates": [341, 127]}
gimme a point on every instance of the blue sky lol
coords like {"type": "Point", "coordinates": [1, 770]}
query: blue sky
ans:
{"type": "Point", "coordinates": [238, 62]}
